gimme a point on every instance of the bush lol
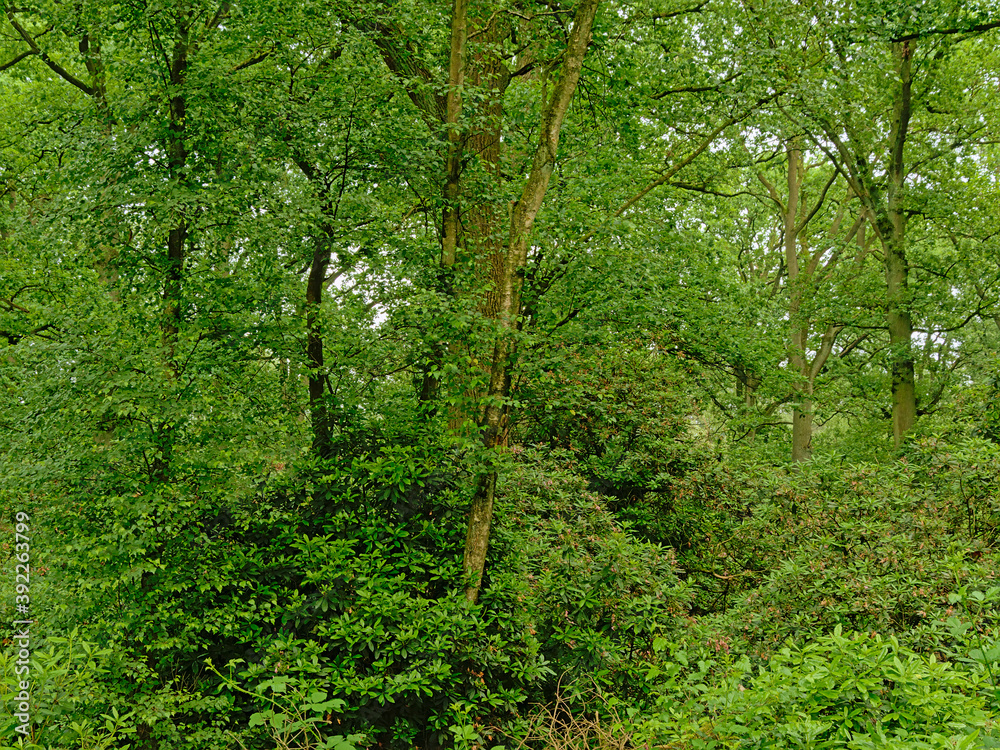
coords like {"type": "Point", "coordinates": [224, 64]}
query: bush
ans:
{"type": "Point", "coordinates": [593, 594]}
{"type": "Point", "coordinates": [838, 691]}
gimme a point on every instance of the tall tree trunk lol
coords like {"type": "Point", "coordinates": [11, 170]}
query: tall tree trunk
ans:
{"type": "Point", "coordinates": [893, 229]}
{"type": "Point", "coordinates": [799, 329]}
{"type": "Point", "coordinates": [177, 237]}
{"type": "Point", "coordinates": [487, 220]}
{"type": "Point", "coordinates": [318, 411]}
{"type": "Point", "coordinates": [888, 218]}
{"type": "Point", "coordinates": [475, 228]}
{"type": "Point", "coordinates": [504, 265]}
{"type": "Point", "coordinates": [319, 278]}
{"type": "Point", "coordinates": [451, 214]}
{"type": "Point", "coordinates": [889, 221]}
{"type": "Point", "coordinates": [510, 286]}
{"type": "Point", "coordinates": [176, 162]}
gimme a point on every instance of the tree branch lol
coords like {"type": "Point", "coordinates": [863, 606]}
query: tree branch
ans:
{"type": "Point", "coordinates": [668, 175]}
{"type": "Point", "coordinates": [17, 59]}
{"type": "Point", "coordinates": [698, 89]}
{"type": "Point", "coordinates": [249, 63]}
{"type": "Point", "coordinates": [683, 11]}
{"type": "Point", "coordinates": [53, 65]}
{"type": "Point", "coordinates": [417, 80]}
{"type": "Point", "coordinates": [976, 29]}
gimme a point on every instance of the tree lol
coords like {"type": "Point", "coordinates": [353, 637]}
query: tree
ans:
{"type": "Point", "coordinates": [500, 263]}
{"type": "Point", "coordinates": [897, 68]}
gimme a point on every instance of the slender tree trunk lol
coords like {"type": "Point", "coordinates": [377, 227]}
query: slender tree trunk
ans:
{"type": "Point", "coordinates": [799, 329]}
{"type": "Point", "coordinates": [487, 220]}
{"type": "Point", "coordinates": [802, 420]}
{"type": "Point", "coordinates": [177, 237]}
{"type": "Point", "coordinates": [93, 59]}
{"type": "Point", "coordinates": [904, 396]}
{"type": "Point", "coordinates": [745, 386]}
{"type": "Point", "coordinates": [176, 162]}
{"type": "Point", "coordinates": [451, 214]}
{"type": "Point", "coordinates": [746, 391]}
{"type": "Point", "coordinates": [475, 228]}
{"type": "Point", "coordinates": [893, 228]}
{"type": "Point", "coordinates": [172, 290]}
{"type": "Point", "coordinates": [318, 411]}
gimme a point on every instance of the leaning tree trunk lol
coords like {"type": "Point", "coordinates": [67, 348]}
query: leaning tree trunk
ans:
{"type": "Point", "coordinates": [509, 289]}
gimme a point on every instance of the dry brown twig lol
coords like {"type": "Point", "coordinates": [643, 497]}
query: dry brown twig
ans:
{"type": "Point", "coordinates": [555, 727]}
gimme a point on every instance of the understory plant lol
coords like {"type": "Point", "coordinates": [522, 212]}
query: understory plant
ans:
{"type": "Point", "coordinates": [841, 690]}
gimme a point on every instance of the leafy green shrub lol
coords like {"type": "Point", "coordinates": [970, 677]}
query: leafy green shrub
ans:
{"type": "Point", "coordinates": [963, 475]}
{"type": "Point", "coordinates": [624, 415]}
{"type": "Point", "coordinates": [593, 594]}
{"type": "Point", "coordinates": [869, 547]}
{"type": "Point", "coordinates": [295, 715]}
{"type": "Point", "coordinates": [711, 516]}
{"type": "Point", "coordinates": [370, 615]}
{"type": "Point", "coordinates": [837, 691]}
{"type": "Point", "coordinates": [67, 704]}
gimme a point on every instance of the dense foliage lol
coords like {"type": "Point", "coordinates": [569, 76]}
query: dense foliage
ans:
{"type": "Point", "coordinates": [532, 374]}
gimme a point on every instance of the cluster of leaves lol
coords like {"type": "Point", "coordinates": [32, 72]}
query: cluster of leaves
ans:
{"type": "Point", "coordinates": [342, 628]}
{"type": "Point", "coordinates": [841, 690]}
{"type": "Point", "coordinates": [592, 593]}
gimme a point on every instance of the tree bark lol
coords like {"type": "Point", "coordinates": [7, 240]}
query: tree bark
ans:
{"type": "Point", "coordinates": [510, 287]}
{"type": "Point", "coordinates": [176, 162]}
{"type": "Point", "coordinates": [799, 329]}
{"type": "Point", "coordinates": [318, 411]}
{"type": "Point", "coordinates": [456, 78]}
{"type": "Point", "coordinates": [893, 229]}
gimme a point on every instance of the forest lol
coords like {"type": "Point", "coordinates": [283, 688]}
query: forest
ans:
{"type": "Point", "coordinates": [542, 374]}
